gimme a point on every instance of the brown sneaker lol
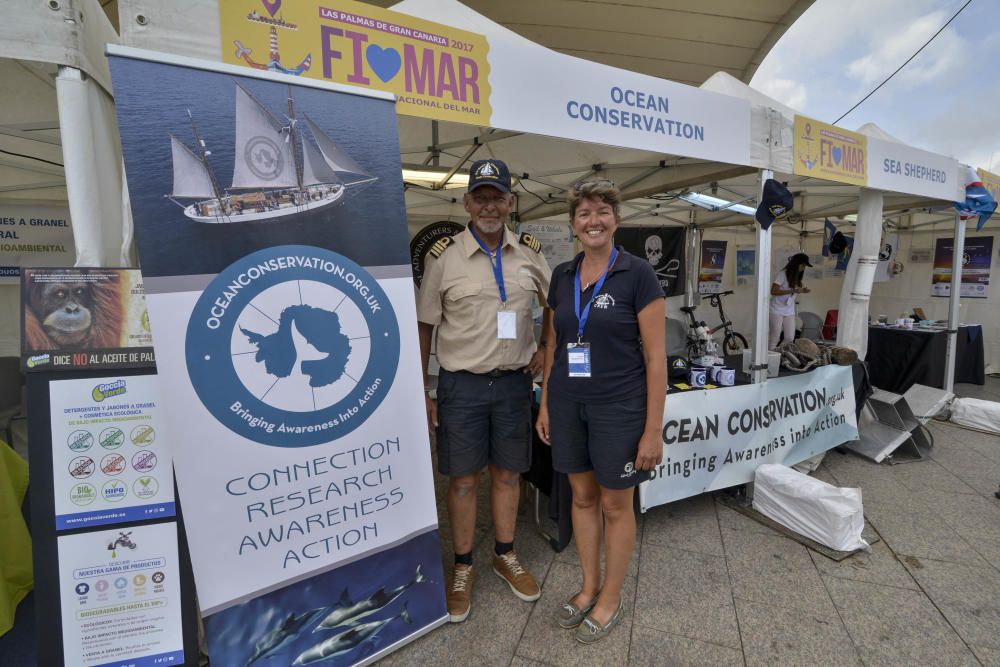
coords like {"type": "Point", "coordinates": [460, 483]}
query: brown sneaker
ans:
{"type": "Point", "coordinates": [520, 580]}
{"type": "Point", "coordinates": [459, 595]}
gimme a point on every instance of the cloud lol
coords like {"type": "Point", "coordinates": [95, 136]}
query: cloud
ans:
{"type": "Point", "coordinates": [940, 59]}
{"type": "Point", "coordinates": [788, 92]}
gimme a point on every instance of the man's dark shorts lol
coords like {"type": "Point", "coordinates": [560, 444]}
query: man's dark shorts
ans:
{"type": "Point", "coordinates": [603, 437]}
{"type": "Point", "coordinates": [483, 419]}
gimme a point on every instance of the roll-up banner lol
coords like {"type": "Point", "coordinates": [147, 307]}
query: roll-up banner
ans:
{"type": "Point", "coordinates": [271, 230]}
{"type": "Point", "coordinates": [714, 444]}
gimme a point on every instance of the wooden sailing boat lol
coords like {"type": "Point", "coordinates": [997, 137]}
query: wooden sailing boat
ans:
{"type": "Point", "coordinates": [268, 181]}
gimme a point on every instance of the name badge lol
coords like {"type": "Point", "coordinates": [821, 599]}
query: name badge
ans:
{"type": "Point", "coordinates": [506, 324]}
{"type": "Point", "coordinates": [578, 356]}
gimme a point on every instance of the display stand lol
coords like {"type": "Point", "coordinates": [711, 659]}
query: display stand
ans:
{"type": "Point", "coordinates": [891, 432]}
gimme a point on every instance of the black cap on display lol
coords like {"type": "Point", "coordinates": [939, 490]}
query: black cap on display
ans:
{"type": "Point", "coordinates": [775, 203]}
{"type": "Point", "coordinates": [677, 367]}
{"type": "Point", "coordinates": [489, 172]}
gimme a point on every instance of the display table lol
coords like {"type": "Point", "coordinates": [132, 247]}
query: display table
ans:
{"type": "Point", "coordinates": [900, 358]}
{"type": "Point", "coordinates": [555, 485]}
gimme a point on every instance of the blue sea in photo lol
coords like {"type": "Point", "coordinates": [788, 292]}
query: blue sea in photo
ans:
{"type": "Point", "coordinates": [233, 634]}
{"type": "Point", "coordinates": [153, 100]}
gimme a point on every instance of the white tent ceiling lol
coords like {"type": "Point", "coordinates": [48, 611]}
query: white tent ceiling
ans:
{"type": "Point", "coordinates": [681, 40]}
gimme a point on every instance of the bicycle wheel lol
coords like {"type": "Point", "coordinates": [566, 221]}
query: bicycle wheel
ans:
{"type": "Point", "coordinates": [734, 343]}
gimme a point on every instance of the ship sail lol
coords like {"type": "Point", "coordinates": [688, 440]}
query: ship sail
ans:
{"type": "Point", "coordinates": [315, 170]}
{"type": "Point", "coordinates": [191, 178]}
{"type": "Point", "coordinates": [336, 158]}
{"type": "Point", "coordinates": [264, 156]}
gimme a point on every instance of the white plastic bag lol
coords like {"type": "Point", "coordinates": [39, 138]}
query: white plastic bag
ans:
{"type": "Point", "coordinates": [976, 413]}
{"type": "Point", "coordinates": [824, 513]}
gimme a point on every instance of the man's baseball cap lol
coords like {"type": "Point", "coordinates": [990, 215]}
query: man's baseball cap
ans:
{"type": "Point", "coordinates": [489, 172]}
{"type": "Point", "coordinates": [775, 203]}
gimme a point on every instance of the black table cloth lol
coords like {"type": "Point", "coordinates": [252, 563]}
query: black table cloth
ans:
{"type": "Point", "coordinates": [900, 358]}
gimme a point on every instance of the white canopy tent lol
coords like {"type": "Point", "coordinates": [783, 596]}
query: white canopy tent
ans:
{"type": "Point", "coordinates": [58, 132]}
{"type": "Point", "coordinates": [718, 137]}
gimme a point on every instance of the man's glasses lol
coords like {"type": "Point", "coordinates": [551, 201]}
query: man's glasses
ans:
{"type": "Point", "coordinates": [580, 186]}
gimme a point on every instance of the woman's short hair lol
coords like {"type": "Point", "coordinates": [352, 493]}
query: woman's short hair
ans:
{"type": "Point", "coordinates": [601, 189]}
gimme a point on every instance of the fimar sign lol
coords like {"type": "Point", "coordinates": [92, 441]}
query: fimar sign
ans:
{"type": "Point", "coordinates": [436, 71]}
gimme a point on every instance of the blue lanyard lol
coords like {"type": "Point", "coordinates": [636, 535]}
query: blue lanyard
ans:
{"type": "Point", "coordinates": [581, 318]}
{"type": "Point", "coordinates": [497, 265]}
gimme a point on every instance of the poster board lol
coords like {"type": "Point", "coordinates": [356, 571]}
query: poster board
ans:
{"type": "Point", "coordinates": [79, 319]}
{"type": "Point", "coordinates": [713, 264]}
{"type": "Point", "coordinates": [977, 262]}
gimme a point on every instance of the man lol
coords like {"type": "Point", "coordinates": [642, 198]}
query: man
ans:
{"type": "Point", "coordinates": [479, 289]}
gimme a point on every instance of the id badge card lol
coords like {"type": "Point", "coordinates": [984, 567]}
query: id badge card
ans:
{"type": "Point", "coordinates": [506, 324]}
{"type": "Point", "coordinates": [578, 356]}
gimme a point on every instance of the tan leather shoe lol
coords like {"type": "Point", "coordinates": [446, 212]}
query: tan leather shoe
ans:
{"type": "Point", "coordinates": [459, 594]}
{"type": "Point", "coordinates": [521, 583]}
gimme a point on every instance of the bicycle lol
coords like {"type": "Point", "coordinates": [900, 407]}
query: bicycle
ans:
{"type": "Point", "coordinates": [733, 342]}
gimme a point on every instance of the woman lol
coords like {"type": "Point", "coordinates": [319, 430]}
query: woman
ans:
{"type": "Point", "coordinates": [786, 285]}
{"type": "Point", "coordinates": [602, 398]}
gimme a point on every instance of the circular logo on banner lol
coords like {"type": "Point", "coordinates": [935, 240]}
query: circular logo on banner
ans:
{"type": "Point", "coordinates": [424, 239]}
{"type": "Point", "coordinates": [264, 158]}
{"type": "Point", "coordinates": [292, 346]}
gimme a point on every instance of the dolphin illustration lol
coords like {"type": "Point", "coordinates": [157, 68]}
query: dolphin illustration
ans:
{"type": "Point", "coordinates": [350, 613]}
{"type": "Point", "coordinates": [347, 640]}
{"type": "Point", "coordinates": [280, 637]}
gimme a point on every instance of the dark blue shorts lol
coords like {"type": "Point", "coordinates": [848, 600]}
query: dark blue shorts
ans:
{"type": "Point", "coordinates": [482, 420]}
{"type": "Point", "coordinates": [603, 437]}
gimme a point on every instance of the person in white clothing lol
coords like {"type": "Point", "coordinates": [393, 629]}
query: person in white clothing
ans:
{"type": "Point", "coordinates": [787, 283]}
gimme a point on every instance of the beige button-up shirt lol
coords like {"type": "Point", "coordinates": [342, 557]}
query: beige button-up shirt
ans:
{"type": "Point", "coordinates": [459, 295]}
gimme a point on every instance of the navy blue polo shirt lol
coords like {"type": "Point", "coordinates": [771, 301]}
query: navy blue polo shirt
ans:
{"type": "Point", "coordinates": [618, 368]}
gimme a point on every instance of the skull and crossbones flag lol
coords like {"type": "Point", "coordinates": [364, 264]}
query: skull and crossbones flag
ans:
{"type": "Point", "coordinates": [663, 248]}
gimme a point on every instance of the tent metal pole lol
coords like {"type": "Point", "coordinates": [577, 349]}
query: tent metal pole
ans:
{"type": "Point", "coordinates": [958, 252]}
{"type": "Point", "coordinates": [762, 295]}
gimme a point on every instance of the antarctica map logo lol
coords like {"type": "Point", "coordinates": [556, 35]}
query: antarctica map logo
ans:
{"type": "Point", "coordinates": [292, 346]}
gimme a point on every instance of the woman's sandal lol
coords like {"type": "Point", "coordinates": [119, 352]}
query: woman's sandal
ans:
{"type": "Point", "coordinates": [570, 616]}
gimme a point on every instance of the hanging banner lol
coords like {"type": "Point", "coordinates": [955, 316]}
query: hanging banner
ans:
{"type": "Point", "coordinates": [746, 263]}
{"type": "Point", "coordinates": [77, 319]}
{"type": "Point", "coordinates": [556, 240]}
{"type": "Point", "coordinates": [663, 248]}
{"type": "Point", "coordinates": [34, 236]}
{"type": "Point", "coordinates": [713, 444]}
{"type": "Point", "coordinates": [829, 152]}
{"type": "Point", "coordinates": [977, 260]}
{"type": "Point", "coordinates": [900, 168]}
{"type": "Point", "coordinates": [121, 597]}
{"type": "Point", "coordinates": [111, 463]}
{"type": "Point", "coordinates": [713, 262]}
{"type": "Point", "coordinates": [446, 73]}
{"type": "Point", "coordinates": [435, 70]}
{"type": "Point", "coordinates": [289, 356]}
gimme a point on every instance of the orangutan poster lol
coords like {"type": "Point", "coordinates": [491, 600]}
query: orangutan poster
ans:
{"type": "Point", "coordinates": [84, 318]}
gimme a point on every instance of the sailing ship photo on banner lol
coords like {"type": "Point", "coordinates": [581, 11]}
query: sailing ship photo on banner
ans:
{"type": "Point", "coordinates": [280, 295]}
{"type": "Point", "coordinates": [269, 181]}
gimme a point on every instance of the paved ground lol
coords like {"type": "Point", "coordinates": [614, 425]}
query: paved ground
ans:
{"type": "Point", "coordinates": [709, 586]}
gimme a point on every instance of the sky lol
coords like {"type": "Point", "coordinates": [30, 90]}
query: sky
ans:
{"type": "Point", "coordinates": [947, 100]}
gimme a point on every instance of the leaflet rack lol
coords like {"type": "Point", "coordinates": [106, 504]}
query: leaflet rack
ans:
{"type": "Point", "coordinates": [889, 431]}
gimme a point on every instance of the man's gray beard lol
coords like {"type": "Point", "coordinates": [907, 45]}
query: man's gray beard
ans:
{"type": "Point", "coordinates": [488, 228]}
